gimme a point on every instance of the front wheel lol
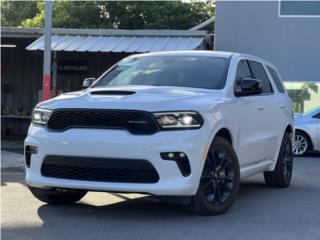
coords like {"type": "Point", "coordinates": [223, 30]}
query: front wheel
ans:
{"type": "Point", "coordinates": [220, 179]}
{"type": "Point", "coordinates": [55, 196]}
{"type": "Point", "coordinates": [282, 174]}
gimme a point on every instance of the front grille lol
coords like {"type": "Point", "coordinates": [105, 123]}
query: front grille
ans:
{"type": "Point", "coordinates": [136, 122]}
{"type": "Point", "coordinates": [99, 169]}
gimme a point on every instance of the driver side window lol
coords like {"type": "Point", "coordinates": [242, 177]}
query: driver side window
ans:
{"type": "Point", "coordinates": [243, 71]}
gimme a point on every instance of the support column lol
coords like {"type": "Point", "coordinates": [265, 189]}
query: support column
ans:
{"type": "Point", "coordinates": [47, 52]}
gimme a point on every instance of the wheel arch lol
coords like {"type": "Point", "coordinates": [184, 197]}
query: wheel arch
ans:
{"type": "Point", "coordinates": [224, 133]}
{"type": "Point", "coordinates": [287, 129]}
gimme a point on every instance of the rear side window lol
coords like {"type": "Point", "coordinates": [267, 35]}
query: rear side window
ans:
{"type": "Point", "coordinates": [258, 72]}
{"type": "Point", "coordinates": [276, 79]}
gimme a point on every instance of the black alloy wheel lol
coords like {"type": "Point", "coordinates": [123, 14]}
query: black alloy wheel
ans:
{"type": "Point", "coordinates": [220, 179]}
{"type": "Point", "coordinates": [217, 180]}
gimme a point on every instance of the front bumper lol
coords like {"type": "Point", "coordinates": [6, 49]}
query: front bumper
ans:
{"type": "Point", "coordinates": [110, 143]}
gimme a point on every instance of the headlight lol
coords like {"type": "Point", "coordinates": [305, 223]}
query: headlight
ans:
{"type": "Point", "coordinates": [179, 120]}
{"type": "Point", "coordinates": [41, 116]}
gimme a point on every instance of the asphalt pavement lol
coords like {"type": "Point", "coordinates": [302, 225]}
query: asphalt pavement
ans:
{"type": "Point", "coordinates": [259, 212]}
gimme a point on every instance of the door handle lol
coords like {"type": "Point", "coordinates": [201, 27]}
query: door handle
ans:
{"type": "Point", "coordinates": [282, 106]}
{"type": "Point", "coordinates": [261, 107]}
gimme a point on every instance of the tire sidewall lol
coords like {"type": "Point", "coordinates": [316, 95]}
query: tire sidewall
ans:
{"type": "Point", "coordinates": [201, 198]}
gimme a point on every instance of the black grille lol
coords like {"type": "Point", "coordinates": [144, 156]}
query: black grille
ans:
{"type": "Point", "coordinates": [136, 122]}
{"type": "Point", "coordinates": [99, 169]}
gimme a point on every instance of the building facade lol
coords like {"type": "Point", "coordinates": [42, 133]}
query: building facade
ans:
{"type": "Point", "coordinates": [286, 33]}
{"type": "Point", "coordinates": [291, 42]}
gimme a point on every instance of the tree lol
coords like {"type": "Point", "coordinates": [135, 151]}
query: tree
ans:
{"type": "Point", "coordinates": [67, 14]}
{"type": "Point", "coordinates": [155, 14]}
{"type": "Point", "coordinates": [14, 12]}
{"type": "Point", "coordinates": [123, 14]}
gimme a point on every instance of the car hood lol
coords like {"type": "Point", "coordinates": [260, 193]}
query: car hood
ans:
{"type": "Point", "coordinates": [148, 98]}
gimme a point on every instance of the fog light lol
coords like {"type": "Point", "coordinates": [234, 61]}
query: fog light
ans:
{"type": "Point", "coordinates": [181, 159]}
{"type": "Point", "coordinates": [173, 155]}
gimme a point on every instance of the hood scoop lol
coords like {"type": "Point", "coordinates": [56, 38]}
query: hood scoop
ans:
{"type": "Point", "coordinates": [112, 93]}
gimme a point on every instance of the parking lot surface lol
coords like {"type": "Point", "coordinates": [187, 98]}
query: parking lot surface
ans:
{"type": "Point", "coordinates": [259, 212]}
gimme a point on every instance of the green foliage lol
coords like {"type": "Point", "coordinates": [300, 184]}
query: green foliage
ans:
{"type": "Point", "coordinates": [14, 12]}
{"type": "Point", "coordinates": [120, 14]}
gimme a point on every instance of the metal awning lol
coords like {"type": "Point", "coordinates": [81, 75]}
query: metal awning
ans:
{"type": "Point", "coordinates": [118, 43]}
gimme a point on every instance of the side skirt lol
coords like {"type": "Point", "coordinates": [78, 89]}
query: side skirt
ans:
{"type": "Point", "coordinates": [251, 169]}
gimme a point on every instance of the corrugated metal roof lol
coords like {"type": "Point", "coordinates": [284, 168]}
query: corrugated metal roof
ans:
{"type": "Point", "coordinates": [93, 43]}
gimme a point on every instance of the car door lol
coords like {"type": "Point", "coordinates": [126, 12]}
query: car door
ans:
{"type": "Point", "coordinates": [272, 111]}
{"type": "Point", "coordinates": [281, 106]}
{"type": "Point", "coordinates": [250, 120]}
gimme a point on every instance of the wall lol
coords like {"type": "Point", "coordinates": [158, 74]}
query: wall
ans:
{"type": "Point", "coordinates": [291, 43]}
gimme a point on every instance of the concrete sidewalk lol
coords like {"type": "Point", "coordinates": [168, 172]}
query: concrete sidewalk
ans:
{"type": "Point", "coordinates": [11, 159]}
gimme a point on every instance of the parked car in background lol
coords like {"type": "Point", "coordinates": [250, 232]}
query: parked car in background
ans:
{"type": "Point", "coordinates": [187, 124]}
{"type": "Point", "coordinates": [307, 134]}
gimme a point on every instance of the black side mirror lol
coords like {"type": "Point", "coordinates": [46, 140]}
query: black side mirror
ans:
{"type": "Point", "coordinates": [248, 87]}
{"type": "Point", "coordinates": [87, 82]}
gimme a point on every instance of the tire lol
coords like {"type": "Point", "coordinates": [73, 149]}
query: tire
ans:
{"type": "Point", "coordinates": [302, 144]}
{"type": "Point", "coordinates": [282, 174]}
{"type": "Point", "coordinates": [220, 179]}
{"type": "Point", "coordinates": [55, 197]}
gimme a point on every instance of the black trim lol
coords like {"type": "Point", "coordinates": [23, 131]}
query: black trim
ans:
{"type": "Point", "coordinates": [99, 169]}
{"type": "Point", "coordinates": [133, 128]}
{"type": "Point", "coordinates": [29, 150]}
{"type": "Point", "coordinates": [182, 162]}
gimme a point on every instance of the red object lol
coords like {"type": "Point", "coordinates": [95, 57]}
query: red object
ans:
{"type": "Point", "coordinates": [46, 87]}
{"type": "Point", "coordinates": [54, 92]}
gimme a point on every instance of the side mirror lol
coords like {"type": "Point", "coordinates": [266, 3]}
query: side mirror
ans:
{"type": "Point", "coordinates": [87, 82]}
{"type": "Point", "coordinates": [248, 87]}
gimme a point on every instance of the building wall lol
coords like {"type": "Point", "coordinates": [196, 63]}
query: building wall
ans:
{"type": "Point", "coordinates": [254, 27]}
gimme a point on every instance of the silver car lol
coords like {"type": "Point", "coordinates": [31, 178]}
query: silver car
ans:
{"type": "Point", "coordinates": [307, 135]}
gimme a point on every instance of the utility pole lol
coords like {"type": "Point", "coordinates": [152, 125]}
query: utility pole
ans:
{"type": "Point", "coordinates": [46, 88]}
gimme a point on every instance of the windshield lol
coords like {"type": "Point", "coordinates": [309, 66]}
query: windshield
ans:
{"type": "Point", "coordinates": [179, 71]}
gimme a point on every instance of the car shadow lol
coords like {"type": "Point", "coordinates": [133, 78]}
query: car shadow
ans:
{"type": "Point", "coordinates": [147, 207]}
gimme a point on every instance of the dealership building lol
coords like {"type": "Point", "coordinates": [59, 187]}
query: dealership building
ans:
{"type": "Point", "coordinates": [286, 33]}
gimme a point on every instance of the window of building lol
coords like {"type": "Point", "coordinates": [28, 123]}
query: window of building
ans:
{"type": "Point", "coordinates": [276, 79]}
{"type": "Point", "coordinates": [299, 8]}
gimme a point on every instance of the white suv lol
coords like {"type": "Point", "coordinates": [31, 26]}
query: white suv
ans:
{"type": "Point", "coordinates": [187, 124]}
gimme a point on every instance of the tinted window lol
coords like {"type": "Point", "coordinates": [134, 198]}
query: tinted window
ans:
{"type": "Point", "coordinates": [243, 71]}
{"type": "Point", "coordinates": [258, 72]}
{"type": "Point", "coordinates": [317, 115]}
{"type": "Point", "coordinates": [276, 79]}
{"type": "Point", "coordinates": [295, 8]}
{"type": "Point", "coordinates": [179, 71]}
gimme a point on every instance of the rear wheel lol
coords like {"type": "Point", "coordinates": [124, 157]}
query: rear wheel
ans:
{"type": "Point", "coordinates": [57, 196]}
{"type": "Point", "coordinates": [282, 174]}
{"type": "Point", "coordinates": [219, 183]}
{"type": "Point", "coordinates": [301, 144]}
